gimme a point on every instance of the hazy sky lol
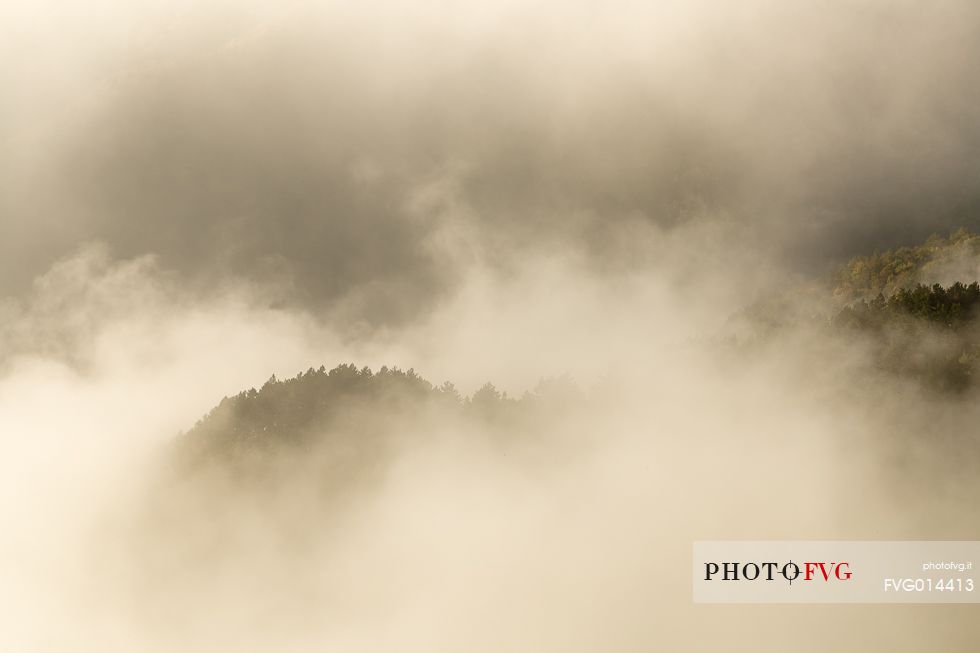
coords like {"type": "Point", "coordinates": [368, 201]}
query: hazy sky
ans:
{"type": "Point", "coordinates": [325, 149]}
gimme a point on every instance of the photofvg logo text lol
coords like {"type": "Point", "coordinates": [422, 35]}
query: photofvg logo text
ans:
{"type": "Point", "coordinates": [800, 571]}
{"type": "Point", "coordinates": [775, 571]}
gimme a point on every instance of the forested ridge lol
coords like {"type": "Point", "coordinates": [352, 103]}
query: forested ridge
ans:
{"type": "Point", "coordinates": [917, 327]}
{"type": "Point", "coordinates": [954, 307]}
{"type": "Point", "coordinates": [939, 259]}
{"type": "Point", "coordinates": [300, 413]}
{"type": "Point", "coordinates": [915, 310]}
{"type": "Point", "coordinates": [927, 333]}
{"type": "Point", "coordinates": [930, 334]}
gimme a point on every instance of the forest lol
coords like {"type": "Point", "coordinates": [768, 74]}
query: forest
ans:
{"type": "Point", "coordinates": [297, 414]}
{"type": "Point", "coordinates": [926, 334]}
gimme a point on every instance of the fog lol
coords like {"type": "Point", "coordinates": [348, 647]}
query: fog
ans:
{"type": "Point", "coordinates": [291, 141]}
{"type": "Point", "coordinates": [194, 198]}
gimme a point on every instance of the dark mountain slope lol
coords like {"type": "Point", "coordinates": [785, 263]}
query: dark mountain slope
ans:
{"type": "Point", "coordinates": [356, 413]}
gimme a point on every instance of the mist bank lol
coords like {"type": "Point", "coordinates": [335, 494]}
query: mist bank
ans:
{"type": "Point", "coordinates": [426, 524]}
{"type": "Point", "coordinates": [373, 151]}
